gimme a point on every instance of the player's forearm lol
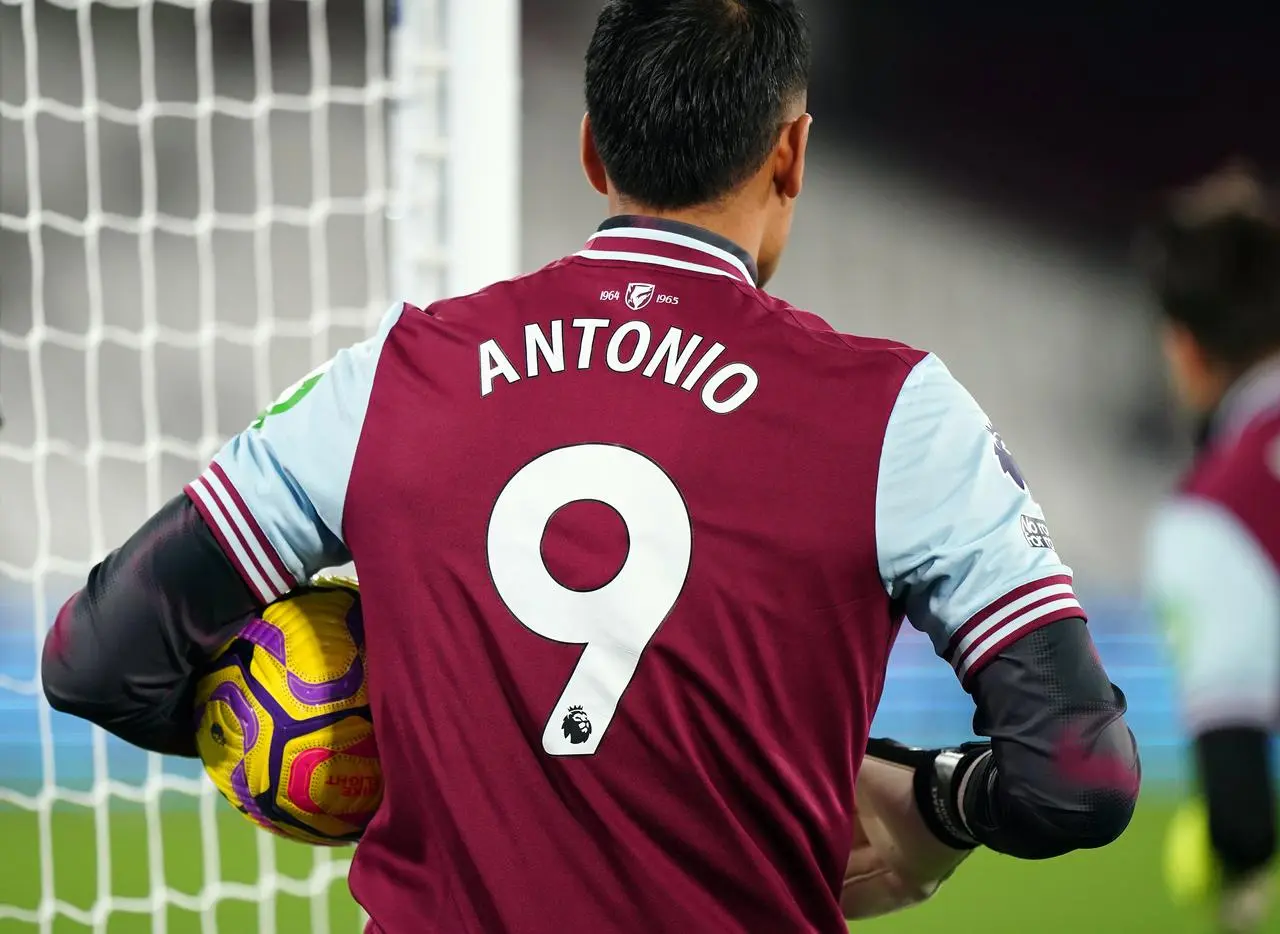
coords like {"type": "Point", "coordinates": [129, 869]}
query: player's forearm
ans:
{"type": "Point", "coordinates": [123, 650]}
{"type": "Point", "coordinates": [1234, 769]}
{"type": "Point", "coordinates": [897, 860]}
{"type": "Point", "coordinates": [1063, 772]}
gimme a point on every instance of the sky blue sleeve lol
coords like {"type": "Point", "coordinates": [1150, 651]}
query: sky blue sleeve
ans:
{"type": "Point", "coordinates": [1218, 597]}
{"type": "Point", "coordinates": [274, 495]}
{"type": "Point", "coordinates": [962, 543]}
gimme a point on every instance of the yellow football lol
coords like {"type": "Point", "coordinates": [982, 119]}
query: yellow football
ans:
{"type": "Point", "coordinates": [284, 728]}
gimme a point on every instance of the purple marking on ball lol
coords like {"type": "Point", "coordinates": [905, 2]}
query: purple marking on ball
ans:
{"type": "Point", "coordinates": [240, 785]}
{"type": "Point", "coordinates": [329, 692]}
{"type": "Point", "coordinates": [231, 695]}
{"type": "Point", "coordinates": [266, 636]}
{"type": "Point", "coordinates": [270, 638]}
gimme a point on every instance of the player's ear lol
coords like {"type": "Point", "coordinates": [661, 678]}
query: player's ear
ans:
{"type": "Point", "coordinates": [591, 163]}
{"type": "Point", "coordinates": [793, 150]}
{"type": "Point", "coordinates": [1195, 378]}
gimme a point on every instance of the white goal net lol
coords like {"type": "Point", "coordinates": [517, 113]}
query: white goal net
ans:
{"type": "Point", "coordinates": [200, 201]}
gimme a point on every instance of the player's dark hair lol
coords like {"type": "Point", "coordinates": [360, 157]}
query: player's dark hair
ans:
{"type": "Point", "coordinates": [1214, 261]}
{"type": "Point", "coordinates": [687, 97]}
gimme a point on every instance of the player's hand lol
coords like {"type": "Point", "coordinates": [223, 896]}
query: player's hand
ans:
{"type": "Point", "coordinates": [896, 860]}
{"type": "Point", "coordinates": [938, 777]}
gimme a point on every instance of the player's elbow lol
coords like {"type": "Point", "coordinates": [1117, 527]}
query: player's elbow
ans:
{"type": "Point", "coordinates": [72, 682]}
{"type": "Point", "coordinates": [1096, 819]}
{"type": "Point", "coordinates": [1084, 800]}
{"type": "Point", "coordinates": [1109, 818]}
{"type": "Point", "coordinates": [84, 674]}
{"type": "Point", "coordinates": [1081, 811]}
{"type": "Point", "coordinates": [84, 678]}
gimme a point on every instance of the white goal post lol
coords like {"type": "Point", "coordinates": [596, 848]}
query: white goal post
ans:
{"type": "Point", "coordinates": [200, 200]}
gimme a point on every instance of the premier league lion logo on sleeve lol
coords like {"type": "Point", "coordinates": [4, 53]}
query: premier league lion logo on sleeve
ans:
{"type": "Point", "coordinates": [576, 726]}
{"type": "Point", "coordinates": [1007, 463]}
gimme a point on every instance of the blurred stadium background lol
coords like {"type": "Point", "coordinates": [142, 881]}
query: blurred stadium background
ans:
{"type": "Point", "coordinates": [974, 182]}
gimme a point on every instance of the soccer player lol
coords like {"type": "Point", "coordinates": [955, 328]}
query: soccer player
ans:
{"type": "Point", "coordinates": [634, 539]}
{"type": "Point", "coordinates": [1215, 547]}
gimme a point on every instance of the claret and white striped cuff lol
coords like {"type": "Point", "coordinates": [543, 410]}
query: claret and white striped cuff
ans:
{"type": "Point", "coordinates": [241, 538]}
{"type": "Point", "coordinates": [1018, 613]}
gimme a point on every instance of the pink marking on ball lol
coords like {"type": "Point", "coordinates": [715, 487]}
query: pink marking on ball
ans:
{"type": "Point", "coordinates": [304, 768]}
{"type": "Point", "coordinates": [303, 773]}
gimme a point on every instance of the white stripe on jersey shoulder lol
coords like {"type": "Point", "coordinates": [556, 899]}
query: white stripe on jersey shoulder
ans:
{"type": "Point", "coordinates": [652, 259]}
{"type": "Point", "coordinates": [1000, 621]}
{"type": "Point", "coordinates": [666, 236]}
{"type": "Point", "coordinates": [980, 653]}
{"type": "Point", "coordinates": [258, 544]}
{"type": "Point", "coordinates": [219, 515]}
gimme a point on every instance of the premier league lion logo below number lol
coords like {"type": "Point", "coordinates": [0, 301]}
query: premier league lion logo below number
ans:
{"type": "Point", "coordinates": [576, 726]}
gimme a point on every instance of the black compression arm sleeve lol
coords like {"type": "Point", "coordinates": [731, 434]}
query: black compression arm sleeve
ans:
{"type": "Point", "coordinates": [1063, 773]}
{"type": "Point", "coordinates": [1234, 768]}
{"type": "Point", "coordinates": [123, 650]}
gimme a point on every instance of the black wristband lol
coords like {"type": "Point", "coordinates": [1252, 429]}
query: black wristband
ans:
{"type": "Point", "coordinates": [939, 777]}
{"type": "Point", "coordinates": [937, 796]}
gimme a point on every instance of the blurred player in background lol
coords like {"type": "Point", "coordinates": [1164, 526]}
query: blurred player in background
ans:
{"type": "Point", "coordinates": [635, 539]}
{"type": "Point", "coordinates": [1215, 549]}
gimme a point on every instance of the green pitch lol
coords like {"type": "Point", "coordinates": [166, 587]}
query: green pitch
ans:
{"type": "Point", "coordinates": [1112, 890]}
{"type": "Point", "coordinates": [181, 854]}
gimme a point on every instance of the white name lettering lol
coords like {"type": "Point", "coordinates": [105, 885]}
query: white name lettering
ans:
{"type": "Point", "coordinates": [614, 356]}
{"type": "Point", "coordinates": [738, 396]}
{"type": "Point", "coordinates": [552, 351]}
{"type": "Point", "coordinates": [676, 357]}
{"type": "Point", "coordinates": [588, 327]}
{"type": "Point", "coordinates": [494, 363]}
{"type": "Point", "coordinates": [686, 360]}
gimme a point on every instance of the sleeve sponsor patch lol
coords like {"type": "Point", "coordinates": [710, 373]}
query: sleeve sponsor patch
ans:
{"type": "Point", "coordinates": [1036, 532]}
{"type": "Point", "coordinates": [292, 396]}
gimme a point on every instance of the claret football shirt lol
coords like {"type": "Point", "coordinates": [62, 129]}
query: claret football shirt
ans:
{"type": "Point", "coordinates": [634, 540]}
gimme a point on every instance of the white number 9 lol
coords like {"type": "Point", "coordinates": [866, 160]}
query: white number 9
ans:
{"type": "Point", "coordinates": [615, 622]}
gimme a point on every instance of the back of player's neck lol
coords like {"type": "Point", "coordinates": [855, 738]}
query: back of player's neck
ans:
{"type": "Point", "coordinates": [730, 225]}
